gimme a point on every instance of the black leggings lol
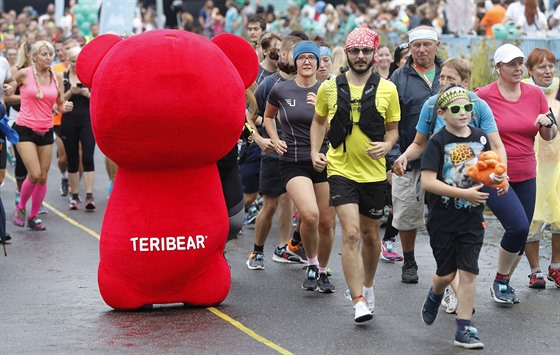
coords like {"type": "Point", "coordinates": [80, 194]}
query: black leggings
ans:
{"type": "Point", "coordinates": [71, 137]}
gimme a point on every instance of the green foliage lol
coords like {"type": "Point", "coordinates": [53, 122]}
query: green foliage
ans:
{"type": "Point", "coordinates": [481, 56]}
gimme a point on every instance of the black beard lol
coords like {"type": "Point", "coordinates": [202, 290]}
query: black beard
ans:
{"type": "Point", "coordinates": [273, 56]}
{"type": "Point", "coordinates": [287, 68]}
{"type": "Point", "coordinates": [360, 71]}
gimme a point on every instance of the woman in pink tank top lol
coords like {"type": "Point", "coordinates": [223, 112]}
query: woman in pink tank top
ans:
{"type": "Point", "coordinates": [40, 92]}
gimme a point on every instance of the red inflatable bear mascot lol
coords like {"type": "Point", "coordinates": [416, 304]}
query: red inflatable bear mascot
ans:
{"type": "Point", "coordinates": [165, 106]}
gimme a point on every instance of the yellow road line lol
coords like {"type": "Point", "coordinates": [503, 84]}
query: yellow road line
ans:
{"type": "Point", "coordinates": [249, 332]}
{"type": "Point", "coordinates": [214, 310]}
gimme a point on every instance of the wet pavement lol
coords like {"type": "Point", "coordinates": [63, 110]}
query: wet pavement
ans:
{"type": "Point", "coordinates": [51, 301]}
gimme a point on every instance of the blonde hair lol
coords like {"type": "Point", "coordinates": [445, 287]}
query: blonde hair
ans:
{"type": "Point", "coordinates": [35, 48]}
{"type": "Point", "coordinates": [73, 53]}
{"type": "Point", "coordinates": [24, 54]}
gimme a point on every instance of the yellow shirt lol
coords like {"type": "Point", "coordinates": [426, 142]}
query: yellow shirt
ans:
{"type": "Point", "coordinates": [355, 164]}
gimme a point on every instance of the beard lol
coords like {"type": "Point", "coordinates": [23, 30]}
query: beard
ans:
{"type": "Point", "coordinates": [287, 68]}
{"type": "Point", "coordinates": [273, 56]}
{"type": "Point", "coordinates": [360, 71]}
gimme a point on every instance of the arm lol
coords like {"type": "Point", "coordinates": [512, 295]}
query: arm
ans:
{"type": "Point", "coordinates": [431, 183]}
{"type": "Point", "coordinates": [317, 133]}
{"type": "Point", "coordinates": [66, 106]}
{"type": "Point", "coordinates": [413, 152]}
{"type": "Point", "coordinates": [270, 126]}
{"type": "Point", "coordinates": [379, 149]}
{"type": "Point", "coordinates": [264, 143]}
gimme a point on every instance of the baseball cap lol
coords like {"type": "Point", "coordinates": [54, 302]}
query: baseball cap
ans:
{"type": "Point", "coordinates": [506, 53]}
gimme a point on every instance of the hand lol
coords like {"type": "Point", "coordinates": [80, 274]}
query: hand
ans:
{"type": "Point", "coordinates": [75, 89]}
{"type": "Point", "coordinates": [265, 144]}
{"type": "Point", "coordinates": [378, 149]}
{"type": "Point", "coordinates": [503, 191]}
{"type": "Point", "coordinates": [319, 161]}
{"type": "Point", "coordinates": [473, 195]}
{"type": "Point", "coordinates": [85, 92]}
{"type": "Point", "coordinates": [543, 120]}
{"type": "Point", "coordinates": [311, 98]}
{"type": "Point", "coordinates": [399, 166]}
{"type": "Point", "coordinates": [67, 106]}
{"type": "Point", "coordinates": [7, 90]}
{"type": "Point", "coordinates": [280, 146]}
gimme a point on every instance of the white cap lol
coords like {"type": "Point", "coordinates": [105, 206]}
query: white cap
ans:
{"type": "Point", "coordinates": [507, 53]}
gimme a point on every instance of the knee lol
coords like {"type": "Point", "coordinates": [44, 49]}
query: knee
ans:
{"type": "Point", "coordinates": [351, 238]}
{"type": "Point", "coordinates": [269, 208]}
{"type": "Point", "coordinates": [309, 217]}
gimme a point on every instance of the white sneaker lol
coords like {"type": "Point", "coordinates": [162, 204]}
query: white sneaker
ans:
{"type": "Point", "coordinates": [370, 297]}
{"type": "Point", "coordinates": [449, 301]}
{"type": "Point", "coordinates": [361, 312]}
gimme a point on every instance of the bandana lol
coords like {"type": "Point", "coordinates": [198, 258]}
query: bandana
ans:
{"type": "Point", "coordinates": [452, 94]}
{"type": "Point", "coordinates": [422, 34]}
{"type": "Point", "coordinates": [363, 37]}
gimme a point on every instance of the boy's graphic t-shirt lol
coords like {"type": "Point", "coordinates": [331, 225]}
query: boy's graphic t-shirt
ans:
{"type": "Point", "coordinates": [450, 156]}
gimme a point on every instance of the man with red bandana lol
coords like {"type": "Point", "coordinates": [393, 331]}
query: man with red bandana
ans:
{"type": "Point", "coordinates": [362, 110]}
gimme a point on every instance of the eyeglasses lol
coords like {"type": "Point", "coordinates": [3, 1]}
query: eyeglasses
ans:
{"type": "Point", "coordinates": [455, 109]}
{"type": "Point", "coordinates": [302, 59]}
{"type": "Point", "coordinates": [403, 46]}
{"type": "Point", "coordinates": [356, 51]}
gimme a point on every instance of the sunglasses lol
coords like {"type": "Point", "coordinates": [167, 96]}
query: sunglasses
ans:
{"type": "Point", "coordinates": [403, 46]}
{"type": "Point", "coordinates": [356, 51]}
{"type": "Point", "coordinates": [455, 109]}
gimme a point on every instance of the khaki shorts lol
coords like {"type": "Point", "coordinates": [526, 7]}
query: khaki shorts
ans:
{"type": "Point", "coordinates": [537, 231]}
{"type": "Point", "coordinates": [408, 201]}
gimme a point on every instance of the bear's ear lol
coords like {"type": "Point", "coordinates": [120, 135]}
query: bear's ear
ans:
{"type": "Point", "coordinates": [241, 54]}
{"type": "Point", "coordinates": [92, 54]}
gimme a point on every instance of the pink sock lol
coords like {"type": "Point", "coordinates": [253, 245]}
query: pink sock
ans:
{"type": "Point", "coordinates": [37, 199]}
{"type": "Point", "coordinates": [322, 270]}
{"type": "Point", "coordinates": [313, 261]}
{"type": "Point", "coordinates": [27, 189]}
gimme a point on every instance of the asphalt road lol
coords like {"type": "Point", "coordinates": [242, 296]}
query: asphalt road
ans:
{"type": "Point", "coordinates": [51, 301]}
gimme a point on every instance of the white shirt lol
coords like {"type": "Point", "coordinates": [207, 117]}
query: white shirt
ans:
{"type": "Point", "coordinates": [515, 11]}
{"type": "Point", "coordinates": [5, 73]}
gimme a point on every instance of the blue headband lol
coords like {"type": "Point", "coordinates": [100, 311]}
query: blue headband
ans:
{"type": "Point", "coordinates": [325, 51]}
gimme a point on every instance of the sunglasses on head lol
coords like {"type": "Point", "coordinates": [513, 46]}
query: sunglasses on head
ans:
{"type": "Point", "coordinates": [455, 109]}
{"type": "Point", "coordinates": [356, 51]}
{"type": "Point", "coordinates": [403, 46]}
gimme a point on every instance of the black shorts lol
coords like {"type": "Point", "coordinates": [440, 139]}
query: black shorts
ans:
{"type": "Point", "coordinates": [58, 131]}
{"type": "Point", "coordinates": [249, 175]}
{"type": "Point", "coordinates": [456, 250]}
{"type": "Point", "coordinates": [26, 134]}
{"type": "Point", "coordinates": [270, 182]}
{"type": "Point", "coordinates": [290, 170]}
{"type": "Point", "coordinates": [369, 196]}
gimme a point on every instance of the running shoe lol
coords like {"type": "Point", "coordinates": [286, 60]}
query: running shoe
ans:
{"type": "Point", "coordinates": [324, 285]}
{"type": "Point", "coordinates": [251, 216]}
{"type": "Point", "coordinates": [63, 187]}
{"type": "Point", "coordinates": [73, 205]}
{"type": "Point", "coordinates": [467, 338]}
{"type": "Point", "coordinates": [255, 261]}
{"type": "Point", "coordinates": [311, 278]}
{"type": "Point", "coordinates": [429, 310]}
{"type": "Point", "coordinates": [368, 296]}
{"type": "Point", "coordinates": [388, 252]}
{"type": "Point", "coordinates": [36, 224]}
{"type": "Point", "coordinates": [409, 272]}
{"type": "Point", "coordinates": [502, 292]}
{"type": "Point", "coordinates": [554, 276]}
{"type": "Point", "coordinates": [537, 280]}
{"type": "Point", "coordinates": [281, 255]}
{"type": "Point", "coordinates": [42, 210]}
{"type": "Point", "coordinates": [295, 218]}
{"type": "Point", "coordinates": [90, 205]}
{"type": "Point", "coordinates": [297, 251]}
{"type": "Point", "coordinates": [361, 312]}
{"type": "Point", "coordinates": [449, 301]}
{"type": "Point", "coordinates": [19, 217]}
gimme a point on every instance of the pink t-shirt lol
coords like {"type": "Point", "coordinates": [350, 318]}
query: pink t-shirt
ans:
{"type": "Point", "coordinates": [515, 124]}
{"type": "Point", "coordinates": [36, 113]}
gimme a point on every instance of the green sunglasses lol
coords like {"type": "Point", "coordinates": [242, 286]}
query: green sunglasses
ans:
{"type": "Point", "coordinates": [455, 109]}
